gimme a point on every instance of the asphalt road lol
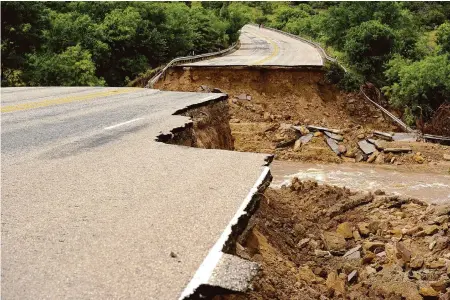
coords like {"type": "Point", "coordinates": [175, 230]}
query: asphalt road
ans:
{"type": "Point", "coordinates": [264, 47]}
{"type": "Point", "coordinates": [92, 206]}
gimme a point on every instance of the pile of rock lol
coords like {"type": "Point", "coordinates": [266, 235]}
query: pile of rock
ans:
{"type": "Point", "coordinates": [330, 243]}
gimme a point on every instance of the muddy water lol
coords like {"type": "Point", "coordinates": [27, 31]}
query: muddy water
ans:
{"type": "Point", "coordinates": [431, 187]}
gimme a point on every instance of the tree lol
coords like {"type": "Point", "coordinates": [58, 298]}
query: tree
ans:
{"type": "Point", "coordinates": [73, 67]}
{"type": "Point", "coordinates": [443, 37]}
{"type": "Point", "coordinates": [368, 46]}
{"type": "Point", "coordinates": [425, 83]}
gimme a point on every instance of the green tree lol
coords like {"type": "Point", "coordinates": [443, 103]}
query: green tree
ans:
{"type": "Point", "coordinates": [443, 37]}
{"type": "Point", "coordinates": [424, 83]}
{"type": "Point", "coordinates": [73, 67]}
{"type": "Point", "coordinates": [368, 46]}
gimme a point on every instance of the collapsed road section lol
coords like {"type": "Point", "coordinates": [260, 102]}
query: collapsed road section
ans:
{"type": "Point", "coordinates": [93, 206]}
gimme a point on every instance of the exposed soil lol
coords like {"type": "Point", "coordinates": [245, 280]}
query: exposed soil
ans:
{"type": "Point", "coordinates": [265, 103]}
{"type": "Point", "coordinates": [401, 246]}
{"type": "Point", "coordinates": [318, 241]}
{"type": "Point", "coordinates": [209, 128]}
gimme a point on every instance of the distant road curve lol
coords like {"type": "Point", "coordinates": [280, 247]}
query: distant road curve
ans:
{"type": "Point", "coordinates": [264, 47]}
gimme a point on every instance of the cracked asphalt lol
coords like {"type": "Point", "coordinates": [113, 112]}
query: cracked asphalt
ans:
{"type": "Point", "coordinates": [93, 206]}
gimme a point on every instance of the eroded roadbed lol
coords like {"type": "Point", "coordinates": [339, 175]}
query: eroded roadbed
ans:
{"type": "Point", "coordinates": [323, 242]}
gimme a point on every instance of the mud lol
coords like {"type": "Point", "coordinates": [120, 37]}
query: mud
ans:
{"type": "Point", "coordinates": [400, 245]}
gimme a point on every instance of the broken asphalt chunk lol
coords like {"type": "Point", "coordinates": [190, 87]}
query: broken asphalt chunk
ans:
{"type": "Point", "coordinates": [366, 147]}
{"type": "Point", "coordinates": [333, 145]}
{"type": "Point", "coordinates": [334, 136]}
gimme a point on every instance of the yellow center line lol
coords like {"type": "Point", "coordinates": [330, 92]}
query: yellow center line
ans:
{"type": "Point", "coordinates": [51, 102]}
{"type": "Point", "coordinates": [275, 52]}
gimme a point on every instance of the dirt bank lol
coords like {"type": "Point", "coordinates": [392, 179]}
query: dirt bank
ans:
{"type": "Point", "coordinates": [265, 103]}
{"type": "Point", "coordinates": [209, 128]}
{"type": "Point", "coordinates": [367, 246]}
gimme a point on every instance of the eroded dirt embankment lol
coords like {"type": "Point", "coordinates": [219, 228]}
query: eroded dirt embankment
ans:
{"type": "Point", "coordinates": [209, 128]}
{"type": "Point", "coordinates": [317, 241]}
{"type": "Point", "coordinates": [365, 246]}
{"type": "Point", "coordinates": [265, 103]}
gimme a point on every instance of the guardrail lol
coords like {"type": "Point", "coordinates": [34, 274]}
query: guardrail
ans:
{"type": "Point", "coordinates": [193, 58]}
{"type": "Point", "coordinates": [322, 51]}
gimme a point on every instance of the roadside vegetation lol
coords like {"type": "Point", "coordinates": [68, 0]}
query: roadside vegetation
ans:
{"type": "Point", "coordinates": [401, 47]}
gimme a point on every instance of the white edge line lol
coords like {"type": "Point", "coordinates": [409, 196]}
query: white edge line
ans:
{"type": "Point", "coordinates": [123, 123]}
{"type": "Point", "coordinates": [204, 272]}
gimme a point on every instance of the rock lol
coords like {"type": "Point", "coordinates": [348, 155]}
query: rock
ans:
{"type": "Point", "coordinates": [342, 149]}
{"type": "Point", "coordinates": [356, 235]}
{"type": "Point", "coordinates": [446, 157]}
{"type": "Point", "coordinates": [205, 88]}
{"type": "Point", "coordinates": [370, 270]}
{"type": "Point", "coordinates": [216, 90]}
{"type": "Point", "coordinates": [321, 253]}
{"type": "Point", "coordinates": [361, 136]}
{"type": "Point", "coordinates": [249, 97]}
{"type": "Point", "coordinates": [380, 159]}
{"type": "Point", "coordinates": [242, 97]}
{"type": "Point", "coordinates": [381, 254]}
{"type": "Point", "coordinates": [303, 242]}
{"type": "Point", "coordinates": [287, 143]}
{"type": "Point", "coordinates": [442, 242]}
{"type": "Point", "coordinates": [335, 283]}
{"type": "Point", "coordinates": [299, 229]}
{"type": "Point", "coordinates": [443, 210]}
{"type": "Point", "coordinates": [437, 264]}
{"type": "Point", "coordinates": [430, 230]}
{"type": "Point", "coordinates": [379, 192]}
{"type": "Point", "coordinates": [372, 157]}
{"type": "Point", "coordinates": [297, 145]}
{"type": "Point", "coordinates": [345, 229]}
{"type": "Point", "coordinates": [305, 139]}
{"type": "Point", "coordinates": [266, 116]}
{"type": "Point", "coordinates": [432, 244]}
{"type": "Point", "coordinates": [306, 274]}
{"type": "Point", "coordinates": [416, 263]}
{"type": "Point", "coordinates": [302, 129]}
{"type": "Point", "coordinates": [440, 285]}
{"type": "Point", "coordinates": [440, 220]}
{"type": "Point", "coordinates": [235, 121]}
{"type": "Point", "coordinates": [359, 157]}
{"type": "Point", "coordinates": [374, 226]}
{"type": "Point", "coordinates": [368, 257]}
{"type": "Point", "coordinates": [353, 253]}
{"type": "Point", "coordinates": [428, 292]}
{"type": "Point", "coordinates": [363, 228]}
{"type": "Point", "coordinates": [351, 153]}
{"type": "Point", "coordinates": [372, 246]}
{"type": "Point", "coordinates": [418, 159]}
{"type": "Point", "coordinates": [352, 276]}
{"type": "Point", "coordinates": [318, 133]}
{"type": "Point", "coordinates": [173, 254]}
{"type": "Point", "coordinates": [403, 252]}
{"type": "Point", "coordinates": [333, 241]}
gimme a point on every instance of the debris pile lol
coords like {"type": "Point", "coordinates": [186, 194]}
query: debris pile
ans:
{"type": "Point", "coordinates": [323, 242]}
